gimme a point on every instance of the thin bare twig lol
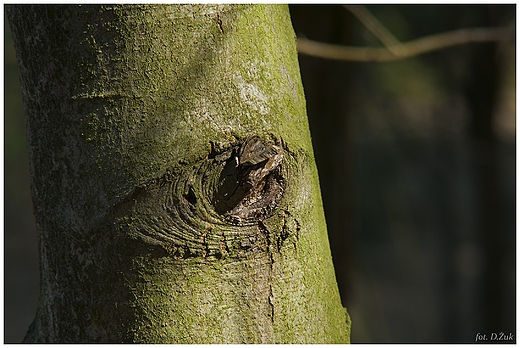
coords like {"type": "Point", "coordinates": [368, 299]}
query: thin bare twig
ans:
{"type": "Point", "coordinates": [375, 27]}
{"type": "Point", "coordinates": [406, 50]}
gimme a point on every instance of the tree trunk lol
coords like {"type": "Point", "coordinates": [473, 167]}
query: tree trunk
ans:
{"type": "Point", "coordinates": [173, 177]}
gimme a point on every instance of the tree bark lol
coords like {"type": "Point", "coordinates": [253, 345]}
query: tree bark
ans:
{"type": "Point", "coordinates": [173, 177]}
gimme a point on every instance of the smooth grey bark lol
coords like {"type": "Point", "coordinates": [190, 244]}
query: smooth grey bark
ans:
{"type": "Point", "coordinates": [137, 116]}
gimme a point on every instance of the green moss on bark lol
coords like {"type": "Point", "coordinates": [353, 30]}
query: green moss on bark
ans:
{"type": "Point", "coordinates": [123, 103]}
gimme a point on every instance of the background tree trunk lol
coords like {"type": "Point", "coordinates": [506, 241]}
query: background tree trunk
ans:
{"type": "Point", "coordinates": [136, 119]}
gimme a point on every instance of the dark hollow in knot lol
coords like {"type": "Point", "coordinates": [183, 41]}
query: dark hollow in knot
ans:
{"type": "Point", "coordinates": [251, 182]}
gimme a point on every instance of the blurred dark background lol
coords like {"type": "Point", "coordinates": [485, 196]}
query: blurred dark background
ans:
{"type": "Point", "coordinates": [417, 169]}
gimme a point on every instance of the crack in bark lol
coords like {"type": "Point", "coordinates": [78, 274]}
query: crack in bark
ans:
{"type": "Point", "coordinates": [274, 248]}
